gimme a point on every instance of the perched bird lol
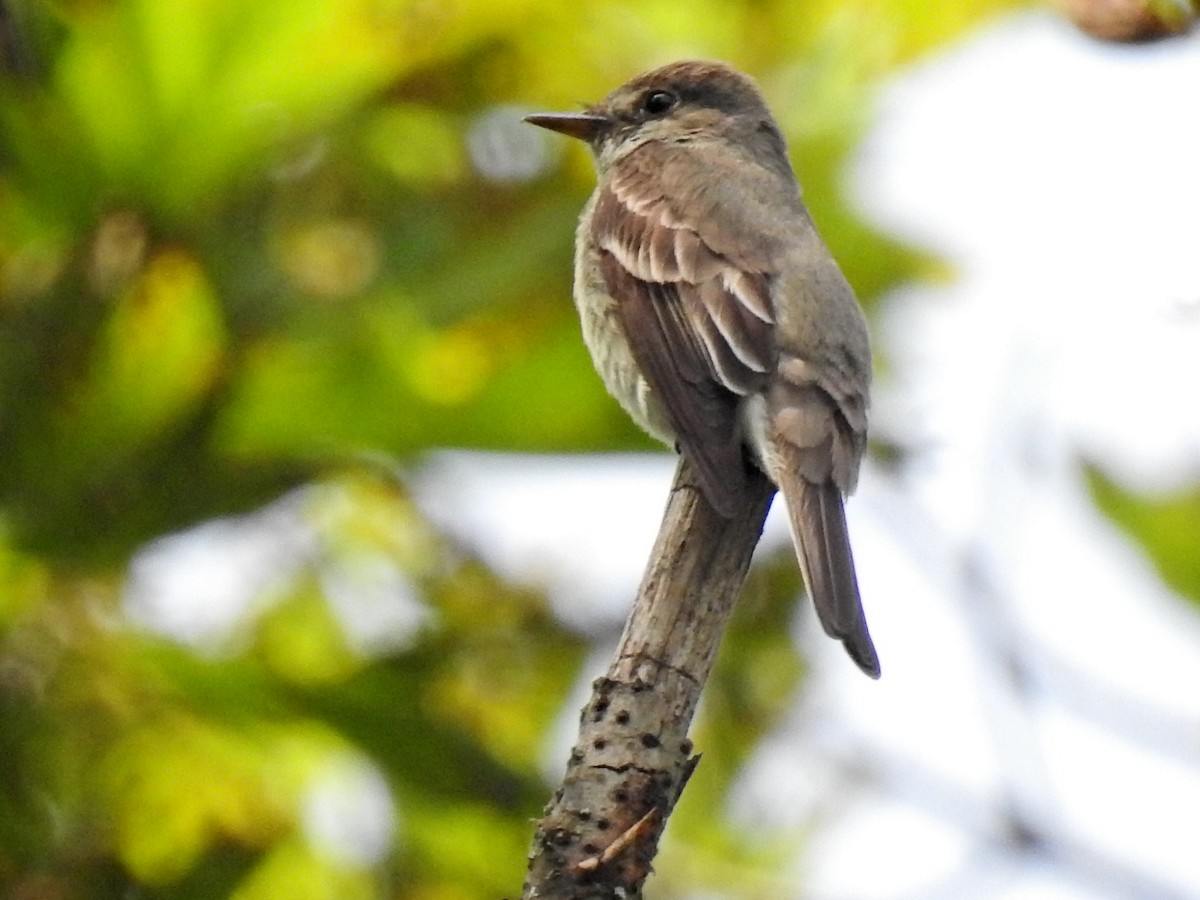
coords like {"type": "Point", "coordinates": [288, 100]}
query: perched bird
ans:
{"type": "Point", "coordinates": [715, 314]}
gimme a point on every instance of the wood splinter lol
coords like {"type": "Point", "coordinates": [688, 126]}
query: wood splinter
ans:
{"type": "Point", "coordinates": [631, 836]}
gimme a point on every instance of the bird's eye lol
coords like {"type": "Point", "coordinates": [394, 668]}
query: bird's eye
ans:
{"type": "Point", "coordinates": [658, 102]}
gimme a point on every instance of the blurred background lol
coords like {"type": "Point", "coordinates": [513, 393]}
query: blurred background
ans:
{"type": "Point", "coordinates": [315, 522]}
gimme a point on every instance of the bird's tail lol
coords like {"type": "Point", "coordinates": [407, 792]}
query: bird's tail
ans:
{"type": "Point", "coordinates": [818, 525]}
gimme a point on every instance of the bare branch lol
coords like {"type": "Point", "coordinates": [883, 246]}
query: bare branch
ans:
{"type": "Point", "coordinates": [633, 758]}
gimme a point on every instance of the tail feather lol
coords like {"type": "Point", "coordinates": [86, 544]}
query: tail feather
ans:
{"type": "Point", "coordinates": [818, 525]}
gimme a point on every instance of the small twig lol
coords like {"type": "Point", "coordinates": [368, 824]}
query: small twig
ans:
{"type": "Point", "coordinates": [631, 836]}
{"type": "Point", "coordinates": [632, 759]}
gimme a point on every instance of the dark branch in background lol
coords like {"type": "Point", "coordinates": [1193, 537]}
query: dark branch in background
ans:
{"type": "Point", "coordinates": [16, 55]}
{"type": "Point", "coordinates": [633, 757]}
{"type": "Point", "coordinates": [1131, 21]}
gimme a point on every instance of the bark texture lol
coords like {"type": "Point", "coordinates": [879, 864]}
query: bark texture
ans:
{"type": "Point", "coordinates": [633, 757]}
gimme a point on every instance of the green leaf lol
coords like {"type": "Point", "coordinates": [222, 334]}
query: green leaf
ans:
{"type": "Point", "coordinates": [1164, 526]}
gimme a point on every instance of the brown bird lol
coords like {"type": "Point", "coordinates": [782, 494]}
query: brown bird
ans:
{"type": "Point", "coordinates": [717, 317]}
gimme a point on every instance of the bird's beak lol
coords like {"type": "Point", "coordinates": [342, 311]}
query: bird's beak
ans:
{"type": "Point", "coordinates": [577, 125]}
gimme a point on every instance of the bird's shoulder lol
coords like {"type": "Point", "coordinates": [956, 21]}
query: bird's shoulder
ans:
{"type": "Point", "coordinates": [743, 210]}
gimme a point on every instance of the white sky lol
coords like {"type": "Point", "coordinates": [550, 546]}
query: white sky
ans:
{"type": "Point", "coordinates": [1059, 178]}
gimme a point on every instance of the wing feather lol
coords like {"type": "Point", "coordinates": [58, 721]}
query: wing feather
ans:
{"type": "Point", "coordinates": [672, 359]}
{"type": "Point", "coordinates": [700, 328]}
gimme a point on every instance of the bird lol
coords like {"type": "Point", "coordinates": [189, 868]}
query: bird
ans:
{"type": "Point", "coordinates": [717, 317]}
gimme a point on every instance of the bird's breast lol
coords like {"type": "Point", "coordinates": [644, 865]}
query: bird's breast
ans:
{"type": "Point", "coordinates": [605, 339]}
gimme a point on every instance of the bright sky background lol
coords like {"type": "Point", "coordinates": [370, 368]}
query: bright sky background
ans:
{"type": "Point", "coordinates": [1059, 178]}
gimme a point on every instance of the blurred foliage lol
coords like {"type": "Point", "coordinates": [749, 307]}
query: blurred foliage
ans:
{"type": "Point", "coordinates": [1165, 526]}
{"type": "Point", "coordinates": [246, 247]}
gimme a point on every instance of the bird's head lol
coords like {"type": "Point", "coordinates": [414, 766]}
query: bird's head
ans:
{"type": "Point", "coordinates": [680, 102]}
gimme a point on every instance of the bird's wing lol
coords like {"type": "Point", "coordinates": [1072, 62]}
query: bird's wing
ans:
{"type": "Point", "coordinates": [697, 312]}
